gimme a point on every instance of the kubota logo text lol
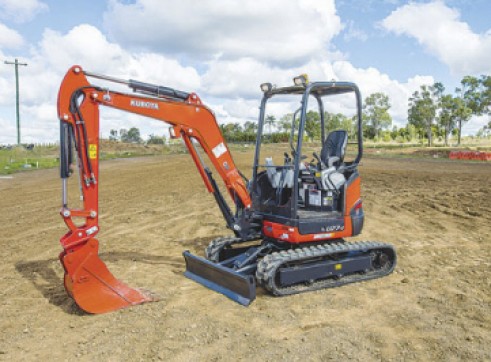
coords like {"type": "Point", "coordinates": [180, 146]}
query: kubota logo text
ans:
{"type": "Point", "coordinates": [143, 104]}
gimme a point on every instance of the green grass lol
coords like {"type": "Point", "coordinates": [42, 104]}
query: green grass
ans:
{"type": "Point", "coordinates": [18, 159]}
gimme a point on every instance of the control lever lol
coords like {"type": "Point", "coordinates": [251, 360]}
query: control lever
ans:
{"type": "Point", "coordinates": [322, 165]}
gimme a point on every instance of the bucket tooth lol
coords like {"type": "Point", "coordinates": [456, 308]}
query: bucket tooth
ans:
{"type": "Point", "coordinates": [92, 286]}
{"type": "Point", "coordinates": [238, 287]}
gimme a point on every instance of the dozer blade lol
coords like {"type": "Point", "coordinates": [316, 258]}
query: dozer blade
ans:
{"type": "Point", "coordinates": [238, 287]}
{"type": "Point", "coordinates": [90, 283]}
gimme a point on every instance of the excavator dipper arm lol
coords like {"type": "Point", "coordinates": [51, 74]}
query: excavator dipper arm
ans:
{"type": "Point", "coordinates": [87, 278]}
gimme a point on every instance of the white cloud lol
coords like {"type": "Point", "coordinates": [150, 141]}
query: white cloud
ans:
{"type": "Point", "coordinates": [371, 80]}
{"type": "Point", "coordinates": [242, 77]}
{"type": "Point", "coordinates": [9, 38]}
{"type": "Point", "coordinates": [438, 28]}
{"type": "Point", "coordinates": [238, 78]}
{"type": "Point", "coordinates": [9, 131]}
{"type": "Point", "coordinates": [238, 56]}
{"type": "Point", "coordinates": [229, 87]}
{"type": "Point", "coordinates": [277, 31]}
{"type": "Point", "coordinates": [21, 11]}
{"type": "Point", "coordinates": [234, 86]}
{"type": "Point", "coordinates": [352, 32]}
{"type": "Point", "coordinates": [152, 67]}
{"type": "Point", "coordinates": [84, 45]}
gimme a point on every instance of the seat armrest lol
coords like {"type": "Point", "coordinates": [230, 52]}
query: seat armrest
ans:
{"type": "Point", "coordinates": [331, 160]}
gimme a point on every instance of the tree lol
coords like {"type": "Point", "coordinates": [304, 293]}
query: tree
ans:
{"type": "Point", "coordinates": [485, 131]}
{"type": "Point", "coordinates": [347, 124]}
{"type": "Point", "coordinates": [250, 127]}
{"type": "Point", "coordinates": [354, 127]}
{"type": "Point", "coordinates": [231, 131]}
{"type": "Point", "coordinates": [130, 136]}
{"type": "Point", "coordinates": [333, 121]}
{"type": "Point", "coordinates": [156, 140]}
{"type": "Point", "coordinates": [438, 93]}
{"type": "Point", "coordinates": [470, 92]}
{"type": "Point", "coordinates": [270, 120]}
{"type": "Point", "coordinates": [123, 134]}
{"type": "Point", "coordinates": [422, 110]}
{"type": "Point", "coordinates": [313, 125]}
{"type": "Point", "coordinates": [375, 113]}
{"type": "Point", "coordinates": [486, 94]}
{"type": "Point", "coordinates": [453, 111]}
{"type": "Point", "coordinates": [394, 133]}
{"type": "Point", "coordinates": [113, 135]}
{"type": "Point", "coordinates": [462, 113]}
{"type": "Point", "coordinates": [250, 131]}
{"type": "Point", "coordinates": [476, 95]}
{"type": "Point", "coordinates": [447, 119]}
{"type": "Point", "coordinates": [411, 132]}
{"type": "Point", "coordinates": [471, 96]}
{"type": "Point", "coordinates": [485, 100]}
{"type": "Point", "coordinates": [286, 122]}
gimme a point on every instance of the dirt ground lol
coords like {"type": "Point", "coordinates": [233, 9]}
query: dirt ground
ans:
{"type": "Point", "coordinates": [435, 306]}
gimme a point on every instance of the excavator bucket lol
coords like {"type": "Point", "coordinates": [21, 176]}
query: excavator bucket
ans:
{"type": "Point", "coordinates": [238, 287]}
{"type": "Point", "coordinates": [90, 283]}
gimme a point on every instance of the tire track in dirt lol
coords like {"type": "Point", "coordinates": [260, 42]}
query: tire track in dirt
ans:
{"type": "Point", "coordinates": [436, 305]}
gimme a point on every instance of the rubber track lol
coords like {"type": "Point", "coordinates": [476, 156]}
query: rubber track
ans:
{"type": "Point", "coordinates": [269, 265]}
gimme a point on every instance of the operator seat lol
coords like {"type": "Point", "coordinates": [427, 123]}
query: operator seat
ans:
{"type": "Point", "coordinates": [283, 178]}
{"type": "Point", "coordinates": [334, 148]}
{"type": "Point", "coordinates": [332, 156]}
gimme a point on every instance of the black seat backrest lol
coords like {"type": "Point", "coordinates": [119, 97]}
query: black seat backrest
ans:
{"type": "Point", "coordinates": [334, 146]}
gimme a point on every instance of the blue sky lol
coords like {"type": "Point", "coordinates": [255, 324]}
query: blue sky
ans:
{"type": "Point", "coordinates": [382, 50]}
{"type": "Point", "coordinates": [223, 49]}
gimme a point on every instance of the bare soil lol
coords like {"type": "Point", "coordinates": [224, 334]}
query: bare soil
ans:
{"type": "Point", "coordinates": [435, 306]}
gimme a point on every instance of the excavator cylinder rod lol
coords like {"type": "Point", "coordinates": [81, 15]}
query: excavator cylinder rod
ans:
{"type": "Point", "coordinates": [157, 90]}
{"type": "Point", "coordinates": [241, 288]}
{"type": "Point", "coordinates": [146, 88]}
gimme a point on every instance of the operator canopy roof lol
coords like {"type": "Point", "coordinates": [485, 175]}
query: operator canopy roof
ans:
{"type": "Point", "coordinates": [318, 88]}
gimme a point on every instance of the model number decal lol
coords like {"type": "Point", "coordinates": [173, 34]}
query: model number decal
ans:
{"type": "Point", "coordinates": [334, 228]}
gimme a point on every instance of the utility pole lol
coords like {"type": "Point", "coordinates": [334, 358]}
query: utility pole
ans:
{"type": "Point", "coordinates": [16, 64]}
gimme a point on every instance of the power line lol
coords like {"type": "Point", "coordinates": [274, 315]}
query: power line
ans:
{"type": "Point", "coordinates": [16, 64]}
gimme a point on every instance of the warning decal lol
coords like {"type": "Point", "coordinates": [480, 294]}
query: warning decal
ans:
{"type": "Point", "coordinates": [92, 151]}
{"type": "Point", "coordinates": [219, 150]}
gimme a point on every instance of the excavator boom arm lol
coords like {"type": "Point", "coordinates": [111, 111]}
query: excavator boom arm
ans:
{"type": "Point", "coordinates": [78, 111]}
{"type": "Point", "coordinates": [185, 112]}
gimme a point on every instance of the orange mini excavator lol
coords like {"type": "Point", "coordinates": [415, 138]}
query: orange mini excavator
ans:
{"type": "Point", "coordinates": [289, 221]}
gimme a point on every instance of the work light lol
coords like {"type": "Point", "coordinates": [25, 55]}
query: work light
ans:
{"type": "Point", "coordinates": [301, 80]}
{"type": "Point", "coordinates": [266, 87]}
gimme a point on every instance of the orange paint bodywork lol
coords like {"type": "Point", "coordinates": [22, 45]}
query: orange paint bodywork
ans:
{"type": "Point", "coordinates": [87, 278]}
{"type": "Point", "coordinates": [292, 235]}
